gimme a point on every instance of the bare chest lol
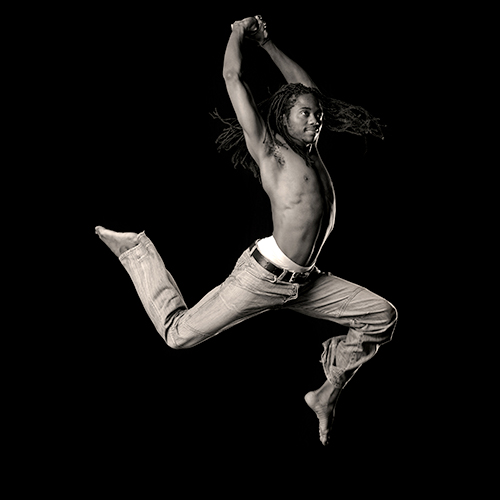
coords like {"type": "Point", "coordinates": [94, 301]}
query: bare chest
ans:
{"type": "Point", "coordinates": [295, 177]}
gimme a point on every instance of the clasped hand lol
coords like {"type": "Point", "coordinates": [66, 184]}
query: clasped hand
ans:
{"type": "Point", "coordinates": [253, 28]}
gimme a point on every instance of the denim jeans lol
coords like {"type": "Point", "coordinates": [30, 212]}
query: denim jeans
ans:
{"type": "Point", "coordinates": [251, 290]}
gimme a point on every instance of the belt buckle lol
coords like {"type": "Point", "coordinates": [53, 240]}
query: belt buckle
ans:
{"type": "Point", "coordinates": [293, 277]}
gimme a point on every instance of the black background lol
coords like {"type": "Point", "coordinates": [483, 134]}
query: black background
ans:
{"type": "Point", "coordinates": [137, 86]}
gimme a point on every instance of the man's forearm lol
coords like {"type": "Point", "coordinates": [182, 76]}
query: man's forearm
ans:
{"type": "Point", "coordinates": [233, 57]}
{"type": "Point", "coordinates": [292, 72]}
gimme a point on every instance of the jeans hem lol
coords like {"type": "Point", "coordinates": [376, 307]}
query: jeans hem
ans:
{"type": "Point", "coordinates": [126, 254]}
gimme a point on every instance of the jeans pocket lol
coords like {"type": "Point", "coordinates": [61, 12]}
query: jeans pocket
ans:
{"type": "Point", "coordinates": [241, 263]}
{"type": "Point", "coordinates": [258, 272]}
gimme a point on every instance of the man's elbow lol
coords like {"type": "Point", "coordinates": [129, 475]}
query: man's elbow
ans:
{"type": "Point", "coordinates": [231, 75]}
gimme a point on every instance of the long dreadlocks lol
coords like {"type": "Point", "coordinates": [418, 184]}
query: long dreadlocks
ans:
{"type": "Point", "coordinates": [338, 116]}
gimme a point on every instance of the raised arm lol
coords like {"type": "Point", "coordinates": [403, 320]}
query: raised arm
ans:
{"type": "Point", "coordinates": [292, 71]}
{"type": "Point", "coordinates": [241, 98]}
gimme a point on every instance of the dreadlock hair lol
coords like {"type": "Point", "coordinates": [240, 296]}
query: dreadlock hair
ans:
{"type": "Point", "coordinates": [338, 116]}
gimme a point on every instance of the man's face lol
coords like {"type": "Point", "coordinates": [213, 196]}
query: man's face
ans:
{"type": "Point", "coordinates": [305, 119]}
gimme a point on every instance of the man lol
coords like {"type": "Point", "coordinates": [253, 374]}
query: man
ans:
{"type": "Point", "coordinates": [278, 271]}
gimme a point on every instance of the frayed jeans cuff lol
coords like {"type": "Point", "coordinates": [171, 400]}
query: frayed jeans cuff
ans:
{"type": "Point", "coordinates": [142, 243]}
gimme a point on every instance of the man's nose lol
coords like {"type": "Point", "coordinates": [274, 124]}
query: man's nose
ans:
{"type": "Point", "coordinates": [314, 121]}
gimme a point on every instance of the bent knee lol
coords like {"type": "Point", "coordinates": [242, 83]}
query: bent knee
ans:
{"type": "Point", "coordinates": [391, 313]}
{"type": "Point", "coordinates": [379, 322]}
{"type": "Point", "coordinates": [184, 340]}
{"type": "Point", "coordinates": [175, 343]}
{"type": "Point", "coordinates": [176, 336]}
{"type": "Point", "coordinates": [389, 318]}
{"type": "Point", "coordinates": [171, 344]}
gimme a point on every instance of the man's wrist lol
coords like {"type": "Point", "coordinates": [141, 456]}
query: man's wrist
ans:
{"type": "Point", "coordinates": [264, 43]}
{"type": "Point", "coordinates": [268, 45]}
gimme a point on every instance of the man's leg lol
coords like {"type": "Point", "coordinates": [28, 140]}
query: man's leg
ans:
{"type": "Point", "coordinates": [371, 321]}
{"type": "Point", "coordinates": [118, 243]}
{"type": "Point", "coordinates": [155, 286]}
{"type": "Point", "coordinates": [244, 294]}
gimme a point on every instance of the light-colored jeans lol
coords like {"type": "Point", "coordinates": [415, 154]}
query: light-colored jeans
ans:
{"type": "Point", "coordinates": [251, 290]}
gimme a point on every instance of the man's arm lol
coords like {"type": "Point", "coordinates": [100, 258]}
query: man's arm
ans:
{"type": "Point", "coordinates": [292, 72]}
{"type": "Point", "coordinates": [241, 98]}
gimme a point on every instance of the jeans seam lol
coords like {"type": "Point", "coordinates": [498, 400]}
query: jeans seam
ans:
{"type": "Point", "coordinates": [348, 301]}
{"type": "Point", "coordinates": [157, 311]}
{"type": "Point", "coordinates": [145, 254]}
{"type": "Point", "coordinates": [206, 336]}
{"type": "Point", "coordinates": [136, 267]}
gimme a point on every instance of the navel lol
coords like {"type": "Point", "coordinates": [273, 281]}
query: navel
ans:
{"type": "Point", "coordinates": [306, 178]}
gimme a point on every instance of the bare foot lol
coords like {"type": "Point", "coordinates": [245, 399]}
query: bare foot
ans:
{"type": "Point", "coordinates": [323, 402]}
{"type": "Point", "coordinates": [118, 243]}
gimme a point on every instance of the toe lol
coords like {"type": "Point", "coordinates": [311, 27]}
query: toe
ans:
{"type": "Point", "coordinates": [324, 437]}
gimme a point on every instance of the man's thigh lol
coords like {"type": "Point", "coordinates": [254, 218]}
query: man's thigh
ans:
{"type": "Point", "coordinates": [335, 299]}
{"type": "Point", "coordinates": [245, 294]}
{"type": "Point", "coordinates": [327, 297]}
{"type": "Point", "coordinates": [223, 307]}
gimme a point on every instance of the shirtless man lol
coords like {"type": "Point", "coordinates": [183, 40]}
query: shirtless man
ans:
{"type": "Point", "coordinates": [278, 271]}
